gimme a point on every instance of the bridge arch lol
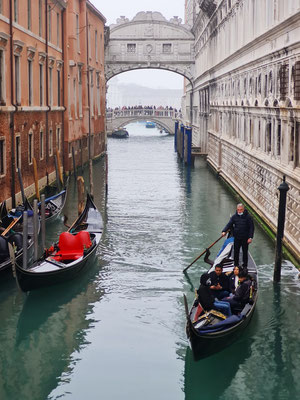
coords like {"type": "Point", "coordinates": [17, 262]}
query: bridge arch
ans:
{"type": "Point", "coordinates": [150, 41]}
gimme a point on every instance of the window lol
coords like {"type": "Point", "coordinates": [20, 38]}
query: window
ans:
{"type": "Point", "coordinates": [16, 11]}
{"type": "Point", "coordinates": [30, 147]}
{"type": "Point", "coordinates": [58, 88]}
{"type": "Point", "coordinates": [268, 137]}
{"type": "Point", "coordinates": [18, 152]}
{"type": "Point", "coordinates": [89, 40]}
{"type": "Point", "coordinates": [2, 156]}
{"type": "Point", "coordinates": [80, 90]}
{"type": "Point", "coordinates": [292, 143]}
{"type": "Point", "coordinates": [49, 24]}
{"type": "Point", "coordinates": [278, 141]}
{"type": "Point", "coordinates": [167, 47]}
{"type": "Point", "coordinates": [51, 86]}
{"type": "Point", "coordinates": [50, 142]}
{"type": "Point", "coordinates": [17, 80]}
{"type": "Point", "coordinates": [41, 85]}
{"type": "Point", "coordinates": [69, 97]}
{"type": "Point", "coordinates": [131, 47]}
{"type": "Point", "coordinates": [2, 78]}
{"type": "Point", "coordinates": [57, 29]}
{"type": "Point", "coordinates": [77, 32]}
{"type": "Point", "coordinates": [29, 14]}
{"type": "Point", "coordinates": [58, 138]}
{"type": "Point", "coordinates": [297, 145]}
{"type": "Point", "coordinates": [30, 91]}
{"type": "Point", "coordinates": [75, 98]}
{"type": "Point", "coordinates": [283, 81]}
{"type": "Point", "coordinates": [96, 46]}
{"type": "Point", "coordinates": [92, 93]}
{"type": "Point", "coordinates": [41, 145]}
{"type": "Point", "coordinates": [297, 81]}
{"type": "Point", "coordinates": [0, 6]}
{"type": "Point", "coordinates": [40, 17]}
{"type": "Point", "coordinates": [98, 92]}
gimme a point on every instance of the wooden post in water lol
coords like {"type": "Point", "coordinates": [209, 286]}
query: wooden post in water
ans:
{"type": "Point", "coordinates": [80, 191]}
{"type": "Point", "coordinates": [21, 185]}
{"type": "Point", "coordinates": [36, 180]}
{"type": "Point", "coordinates": [35, 228]}
{"type": "Point", "coordinates": [59, 167]}
{"type": "Point", "coordinates": [283, 189]}
{"type": "Point", "coordinates": [56, 173]}
{"type": "Point", "coordinates": [106, 174]}
{"type": "Point", "coordinates": [74, 163]}
{"type": "Point", "coordinates": [25, 238]}
{"type": "Point", "coordinates": [175, 135]}
{"type": "Point", "coordinates": [43, 221]}
{"type": "Point", "coordinates": [91, 178]}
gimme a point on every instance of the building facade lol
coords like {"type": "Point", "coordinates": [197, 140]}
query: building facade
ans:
{"type": "Point", "coordinates": [41, 94]}
{"type": "Point", "coordinates": [244, 100]}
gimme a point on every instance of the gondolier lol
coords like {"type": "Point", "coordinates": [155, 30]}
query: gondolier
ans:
{"type": "Point", "coordinates": [241, 224]}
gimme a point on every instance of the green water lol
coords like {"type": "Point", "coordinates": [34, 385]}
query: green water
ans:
{"type": "Point", "coordinates": [118, 332]}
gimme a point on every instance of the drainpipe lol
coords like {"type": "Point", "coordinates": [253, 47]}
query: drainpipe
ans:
{"type": "Point", "coordinates": [63, 86]}
{"type": "Point", "coordinates": [88, 79]}
{"type": "Point", "coordinates": [12, 113]}
{"type": "Point", "coordinates": [47, 90]}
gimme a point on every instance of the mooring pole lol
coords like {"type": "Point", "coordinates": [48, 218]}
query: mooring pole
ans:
{"type": "Point", "coordinates": [74, 163]}
{"type": "Point", "coordinates": [35, 229]}
{"type": "Point", "coordinates": [25, 238]}
{"type": "Point", "coordinates": [283, 189]}
{"type": "Point", "coordinates": [43, 221]}
{"type": "Point", "coordinates": [175, 136]}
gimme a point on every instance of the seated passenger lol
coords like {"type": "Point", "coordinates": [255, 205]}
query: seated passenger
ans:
{"type": "Point", "coordinates": [234, 279]}
{"type": "Point", "coordinates": [207, 299]}
{"type": "Point", "coordinates": [219, 282]}
{"type": "Point", "coordinates": [242, 293]}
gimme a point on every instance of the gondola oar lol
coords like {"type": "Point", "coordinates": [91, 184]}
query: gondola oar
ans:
{"type": "Point", "coordinates": [203, 253]}
{"type": "Point", "coordinates": [13, 223]}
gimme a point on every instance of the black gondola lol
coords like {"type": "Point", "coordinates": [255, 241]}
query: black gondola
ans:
{"type": "Point", "coordinates": [67, 258]}
{"type": "Point", "coordinates": [14, 236]}
{"type": "Point", "coordinates": [210, 332]}
{"type": "Point", "coordinates": [54, 204]}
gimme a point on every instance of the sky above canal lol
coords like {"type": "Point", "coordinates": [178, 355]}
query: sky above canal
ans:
{"type": "Point", "coordinates": [115, 8]}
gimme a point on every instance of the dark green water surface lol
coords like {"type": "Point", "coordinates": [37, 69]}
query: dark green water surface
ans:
{"type": "Point", "coordinates": [118, 332]}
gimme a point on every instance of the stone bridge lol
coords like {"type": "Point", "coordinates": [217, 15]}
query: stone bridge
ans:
{"type": "Point", "coordinates": [149, 40]}
{"type": "Point", "coordinates": [164, 118]}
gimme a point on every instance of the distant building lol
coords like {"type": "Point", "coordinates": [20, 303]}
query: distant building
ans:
{"type": "Point", "coordinates": [45, 105]}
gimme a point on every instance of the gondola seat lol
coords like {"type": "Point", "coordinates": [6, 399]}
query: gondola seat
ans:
{"type": "Point", "coordinates": [71, 247]}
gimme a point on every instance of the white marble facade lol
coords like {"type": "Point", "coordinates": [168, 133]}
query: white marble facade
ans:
{"type": "Point", "coordinates": [243, 101]}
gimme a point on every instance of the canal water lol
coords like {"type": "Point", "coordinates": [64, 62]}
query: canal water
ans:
{"type": "Point", "coordinates": [118, 332]}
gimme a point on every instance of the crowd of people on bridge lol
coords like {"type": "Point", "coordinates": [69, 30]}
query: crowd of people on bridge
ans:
{"type": "Point", "coordinates": [160, 111]}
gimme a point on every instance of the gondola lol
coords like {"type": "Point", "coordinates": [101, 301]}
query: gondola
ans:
{"type": "Point", "coordinates": [210, 331]}
{"type": "Point", "coordinates": [69, 256]}
{"type": "Point", "coordinates": [14, 236]}
{"type": "Point", "coordinates": [54, 204]}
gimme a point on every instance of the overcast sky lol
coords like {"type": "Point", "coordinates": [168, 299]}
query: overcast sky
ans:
{"type": "Point", "coordinates": [113, 9]}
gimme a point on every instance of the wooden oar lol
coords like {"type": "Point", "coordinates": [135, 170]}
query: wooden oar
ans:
{"type": "Point", "coordinates": [203, 253]}
{"type": "Point", "coordinates": [13, 223]}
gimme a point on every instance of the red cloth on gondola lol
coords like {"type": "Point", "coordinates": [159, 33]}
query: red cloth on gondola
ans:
{"type": "Point", "coordinates": [71, 247]}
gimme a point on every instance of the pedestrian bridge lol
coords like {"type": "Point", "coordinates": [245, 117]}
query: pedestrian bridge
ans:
{"type": "Point", "coordinates": [149, 41]}
{"type": "Point", "coordinates": [163, 117]}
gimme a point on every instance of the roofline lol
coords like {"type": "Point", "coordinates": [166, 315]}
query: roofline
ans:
{"type": "Point", "coordinates": [95, 11]}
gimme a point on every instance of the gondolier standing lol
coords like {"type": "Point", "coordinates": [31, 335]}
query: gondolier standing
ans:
{"type": "Point", "coordinates": [243, 230]}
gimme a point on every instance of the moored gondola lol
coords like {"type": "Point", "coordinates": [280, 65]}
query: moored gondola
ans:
{"type": "Point", "coordinates": [12, 233]}
{"type": "Point", "coordinates": [54, 204]}
{"type": "Point", "coordinates": [69, 256]}
{"type": "Point", "coordinates": [211, 331]}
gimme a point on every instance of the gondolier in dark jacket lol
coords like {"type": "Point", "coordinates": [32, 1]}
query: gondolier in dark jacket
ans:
{"type": "Point", "coordinates": [243, 230]}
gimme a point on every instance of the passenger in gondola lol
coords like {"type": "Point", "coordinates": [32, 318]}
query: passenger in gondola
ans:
{"type": "Point", "coordinates": [207, 299]}
{"type": "Point", "coordinates": [242, 292]}
{"type": "Point", "coordinates": [219, 282]}
{"type": "Point", "coordinates": [234, 279]}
